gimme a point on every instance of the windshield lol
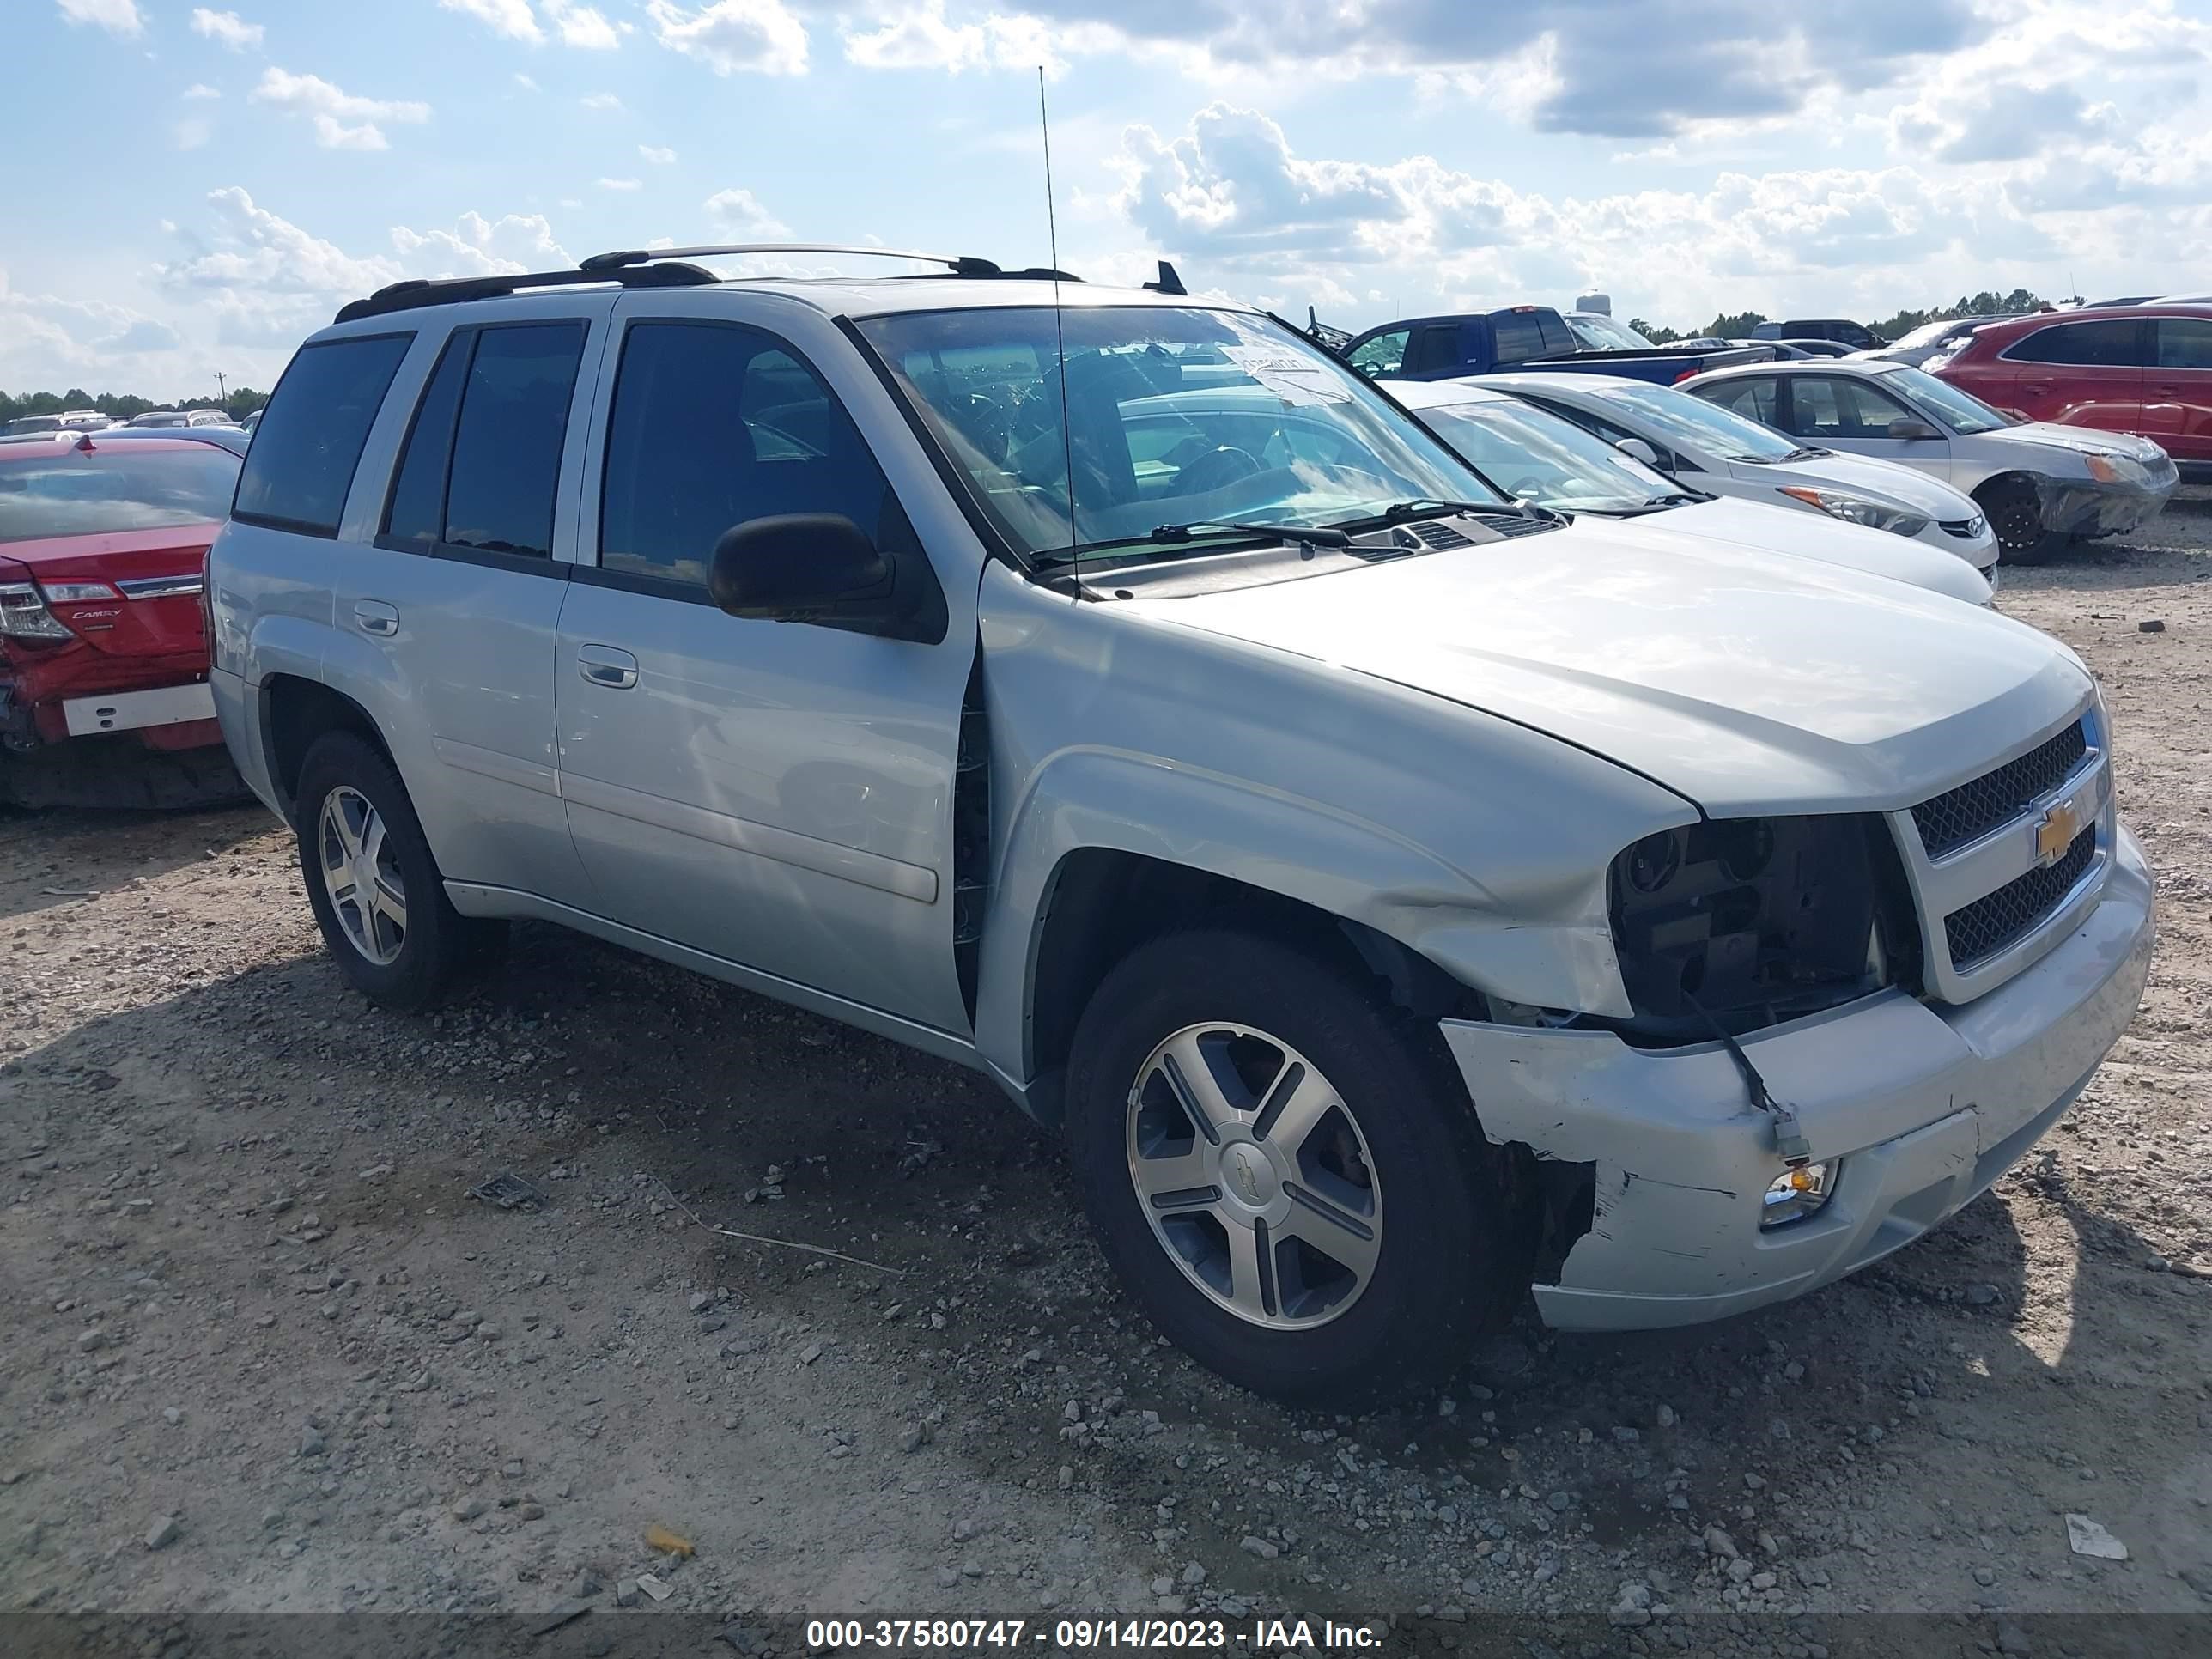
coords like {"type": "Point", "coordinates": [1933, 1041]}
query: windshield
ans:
{"type": "Point", "coordinates": [1679, 421]}
{"type": "Point", "coordinates": [1538, 457]}
{"type": "Point", "coordinates": [88, 494]}
{"type": "Point", "coordinates": [1927, 334]}
{"type": "Point", "coordinates": [1600, 333]}
{"type": "Point", "coordinates": [1173, 416]}
{"type": "Point", "coordinates": [1962, 412]}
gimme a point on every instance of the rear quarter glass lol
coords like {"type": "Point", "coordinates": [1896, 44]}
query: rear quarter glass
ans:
{"type": "Point", "coordinates": [301, 461]}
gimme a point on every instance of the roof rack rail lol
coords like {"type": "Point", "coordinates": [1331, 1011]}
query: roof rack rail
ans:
{"type": "Point", "coordinates": [959, 265]}
{"type": "Point", "coordinates": [417, 292]}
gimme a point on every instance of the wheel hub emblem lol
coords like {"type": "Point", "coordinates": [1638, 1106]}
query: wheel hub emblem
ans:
{"type": "Point", "coordinates": [1249, 1175]}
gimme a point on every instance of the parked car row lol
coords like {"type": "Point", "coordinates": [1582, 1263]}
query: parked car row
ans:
{"type": "Point", "coordinates": [1434, 827]}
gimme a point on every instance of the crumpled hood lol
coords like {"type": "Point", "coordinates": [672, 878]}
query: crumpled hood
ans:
{"type": "Point", "coordinates": [1746, 682]}
{"type": "Point", "coordinates": [2082, 441]}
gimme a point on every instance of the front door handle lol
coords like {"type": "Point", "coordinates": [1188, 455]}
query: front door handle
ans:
{"type": "Point", "coordinates": [603, 664]}
{"type": "Point", "coordinates": [2035, 386]}
{"type": "Point", "coordinates": [375, 616]}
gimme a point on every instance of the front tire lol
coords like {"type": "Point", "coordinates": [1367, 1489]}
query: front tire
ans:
{"type": "Point", "coordinates": [1287, 1173]}
{"type": "Point", "coordinates": [2015, 515]}
{"type": "Point", "coordinates": [372, 881]}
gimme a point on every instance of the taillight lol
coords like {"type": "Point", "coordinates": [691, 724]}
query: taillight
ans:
{"type": "Point", "coordinates": [1687, 373]}
{"type": "Point", "coordinates": [207, 603]}
{"type": "Point", "coordinates": [23, 613]}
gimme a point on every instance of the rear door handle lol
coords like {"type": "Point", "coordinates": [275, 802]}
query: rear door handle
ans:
{"type": "Point", "coordinates": [603, 664]}
{"type": "Point", "coordinates": [376, 618]}
{"type": "Point", "coordinates": [2035, 386]}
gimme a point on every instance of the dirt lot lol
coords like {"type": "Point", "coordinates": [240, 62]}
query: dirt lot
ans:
{"type": "Point", "coordinates": [262, 1352]}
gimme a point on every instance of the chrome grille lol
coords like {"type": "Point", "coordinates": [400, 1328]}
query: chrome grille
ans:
{"type": "Point", "coordinates": [1950, 820]}
{"type": "Point", "coordinates": [1996, 919]}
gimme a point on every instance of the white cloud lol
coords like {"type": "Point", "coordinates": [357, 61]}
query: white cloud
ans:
{"type": "Point", "coordinates": [525, 82]}
{"type": "Point", "coordinates": [330, 108]}
{"type": "Point", "coordinates": [659, 156]}
{"type": "Point", "coordinates": [739, 212]}
{"type": "Point", "coordinates": [600, 101]}
{"type": "Point", "coordinates": [250, 248]}
{"type": "Point", "coordinates": [621, 183]}
{"type": "Point", "coordinates": [1230, 196]}
{"type": "Point", "coordinates": [922, 37]}
{"type": "Point", "coordinates": [584, 26]}
{"type": "Point", "coordinates": [50, 343]}
{"type": "Point", "coordinates": [193, 132]}
{"type": "Point", "coordinates": [477, 247]}
{"type": "Point", "coordinates": [118, 17]}
{"type": "Point", "coordinates": [227, 28]}
{"type": "Point", "coordinates": [510, 18]}
{"type": "Point", "coordinates": [761, 36]}
{"type": "Point", "coordinates": [199, 90]}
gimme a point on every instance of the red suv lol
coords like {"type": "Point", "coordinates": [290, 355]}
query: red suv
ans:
{"type": "Point", "coordinates": [103, 648]}
{"type": "Point", "coordinates": [2146, 369]}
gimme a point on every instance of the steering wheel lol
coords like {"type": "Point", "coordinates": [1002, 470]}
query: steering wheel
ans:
{"type": "Point", "coordinates": [984, 423]}
{"type": "Point", "coordinates": [1216, 470]}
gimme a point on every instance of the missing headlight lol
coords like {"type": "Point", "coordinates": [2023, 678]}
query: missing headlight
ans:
{"type": "Point", "coordinates": [1752, 920]}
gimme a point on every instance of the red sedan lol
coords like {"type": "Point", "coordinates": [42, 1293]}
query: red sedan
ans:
{"type": "Point", "coordinates": [2145, 369]}
{"type": "Point", "coordinates": [103, 651]}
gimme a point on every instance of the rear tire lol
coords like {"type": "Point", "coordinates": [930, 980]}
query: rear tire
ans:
{"type": "Point", "coordinates": [1333, 1112]}
{"type": "Point", "coordinates": [373, 883]}
{"type": "Point", "coordinates": [2015, 515]}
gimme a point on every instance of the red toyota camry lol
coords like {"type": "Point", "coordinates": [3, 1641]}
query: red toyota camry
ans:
{"type": "Point", "coordinates": [103, 651]}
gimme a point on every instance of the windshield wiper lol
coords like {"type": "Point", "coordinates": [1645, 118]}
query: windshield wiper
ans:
{"type": "Point", "coordinates": [1426, 507]}
{"type": "Point", "coordinates": [1208, 530]}
{"type": "Point", "coordinates": [1806, 452]}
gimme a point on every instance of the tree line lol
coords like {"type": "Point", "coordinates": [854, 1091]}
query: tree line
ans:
{"type": "Point", "coordinates": [1737, 325]}
{"type": "Point", "coordinates": [122, 406]}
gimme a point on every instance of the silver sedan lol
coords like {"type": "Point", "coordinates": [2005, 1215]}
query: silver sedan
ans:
{"type": "Point", "coordinates": [2040, 485]}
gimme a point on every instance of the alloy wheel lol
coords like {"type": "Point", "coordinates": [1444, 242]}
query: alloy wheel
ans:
{"type": "Point", "coordinates": [360, 872]}
{"type": "Point", "coordinates": [1254, 1176]}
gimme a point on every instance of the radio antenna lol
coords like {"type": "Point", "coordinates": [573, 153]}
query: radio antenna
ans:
{"type": "Point", "coordinates": [1060, 338]}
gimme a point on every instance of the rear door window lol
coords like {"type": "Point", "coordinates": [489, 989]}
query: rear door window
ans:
{"type": "Point", "coordinates": [1754, 400]}
{"type": "Point", "coordinates": [1830, 406]}
{"type": "Point", "coordinates": [2185, 342]}
{"type": "Point", "coordinates": [482, 465]}
{"type": "Point", "coordinates": [1436, 347]}
{"type": "Point", "coordinates": [301, 462]}
{"type": "Point", "coordinates": [2110, 344]}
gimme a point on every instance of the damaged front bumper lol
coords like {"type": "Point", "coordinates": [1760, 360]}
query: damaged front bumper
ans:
{"type": "Point", "coordinates": [2075, 507]}
{"type": "Point", "coordinates": [1924, 1105]}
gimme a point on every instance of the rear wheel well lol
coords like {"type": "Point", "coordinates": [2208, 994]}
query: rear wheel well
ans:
{"type": "Point", "coordinates": [1102, 904]}
{"type": "Point", "coordinates": [294, 712]}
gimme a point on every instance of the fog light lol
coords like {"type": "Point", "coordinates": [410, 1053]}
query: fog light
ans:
{"type": "Point", "coordinates": [1797, 1194]}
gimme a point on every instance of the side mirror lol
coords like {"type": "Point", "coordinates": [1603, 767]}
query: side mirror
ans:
{"type": "Point", "coordinates": [821, 567]}
{"type": "Point", "coordinates": [1904, 427]}
{"type": "Point", "coordinates": [1640, 450]}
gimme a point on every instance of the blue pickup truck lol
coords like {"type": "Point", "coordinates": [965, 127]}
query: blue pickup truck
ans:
{"type": "Point", "coordinates": [1521, 336]}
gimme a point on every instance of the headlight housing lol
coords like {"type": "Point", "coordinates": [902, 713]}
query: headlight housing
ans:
{"type": "Point", "coordinates": [1744, 922]}
{"type": "Point", "coordinates": [2117, 470]}
{"type": "Point", "coordinates": [1857, 509]}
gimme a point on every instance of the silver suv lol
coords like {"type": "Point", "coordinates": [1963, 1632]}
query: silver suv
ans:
{"type": "Point", "coordinates": [1404, 898]}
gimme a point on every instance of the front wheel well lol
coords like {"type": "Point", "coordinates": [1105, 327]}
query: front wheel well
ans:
{"type": "Point", "coordinates": [294, 712]}
{"type": "Point", "coordinates": [1103, 903]}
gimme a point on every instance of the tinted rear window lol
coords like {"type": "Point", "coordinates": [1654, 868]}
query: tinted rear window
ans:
{"type": "Point", "coordinates": [2113, 345]}
{"type": "Point", "coordinates": [506, 448]}
{"type": "Point", "coordinates": [305, 448]}
{"type": "Point", "coordinates": [88, 494]}
{"type": "Point", "coordinates": [1517, 336]}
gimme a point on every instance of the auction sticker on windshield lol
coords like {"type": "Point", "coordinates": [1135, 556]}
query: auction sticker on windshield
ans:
{"type": "Point", "coordinates": [1294, 379]}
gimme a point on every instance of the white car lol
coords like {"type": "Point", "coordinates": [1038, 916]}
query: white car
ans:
{"type": "Point", "coordinates": [1723, 453]}
{"type": "Point", "coordinates": [2039, 484]}
{"type": "Point", "coordinates": [1537, 455]}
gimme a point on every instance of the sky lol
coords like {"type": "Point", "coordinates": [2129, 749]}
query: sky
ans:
{"type": "Point", "coordinates": [192, 189]}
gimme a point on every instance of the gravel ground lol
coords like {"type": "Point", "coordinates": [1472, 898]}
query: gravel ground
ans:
{"type": "Point", "coordinates": [263, 1354]}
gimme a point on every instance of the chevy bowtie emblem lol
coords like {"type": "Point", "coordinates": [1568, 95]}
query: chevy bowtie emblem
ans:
{"type": "Point", "coordinates": [2055, 832]}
